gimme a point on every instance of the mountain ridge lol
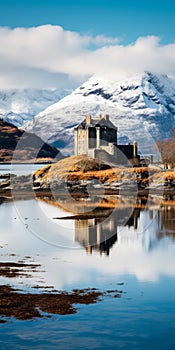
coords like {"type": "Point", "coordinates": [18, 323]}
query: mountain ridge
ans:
{"type": "Point", "coordinates": [20, 105]}
{"type": "Point", "coordinates": [142, 107]}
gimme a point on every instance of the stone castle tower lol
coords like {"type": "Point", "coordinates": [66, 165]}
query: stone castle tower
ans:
{"type": "Point", "coordinates": [97, 138]}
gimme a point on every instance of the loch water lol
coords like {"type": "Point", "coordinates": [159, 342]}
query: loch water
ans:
{"type": "Point", "coordinates": [130, 249]}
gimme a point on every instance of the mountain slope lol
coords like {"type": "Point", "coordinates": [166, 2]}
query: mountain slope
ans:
{"type": "Point", "coordinates": [27, 146]}
{"type": "Point", "coordinates": [141, 107]}
{"type": "Point", "coordinates": [19, 106]}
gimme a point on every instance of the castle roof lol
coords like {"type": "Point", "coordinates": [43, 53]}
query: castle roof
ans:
{"type": "Point", "coordinates": [97, 122]}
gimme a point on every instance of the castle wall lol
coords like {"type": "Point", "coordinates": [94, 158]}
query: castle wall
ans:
{"type": "Point", "coordinates": [104, 156]}
{"type": "Point", "coordinates": [126, 152]}
{"type": "Point", "coordinates": [108, 135]}
{"type": "Point", "coordinates": [119, 154]}
{"type": "Point", "coordinates": [110, 148]}
{"type": "Point", "coordinates": [91, 134]}
{"type": "Point", "coordinates": [81, 142]}
{"type": "Point", "coordinates": [92, 153]}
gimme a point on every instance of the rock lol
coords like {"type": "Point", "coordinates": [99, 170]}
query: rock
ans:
{"type": "Point", "coordinates": [5, 176]}
{"type": "Point", "coordinates": [5, 183]}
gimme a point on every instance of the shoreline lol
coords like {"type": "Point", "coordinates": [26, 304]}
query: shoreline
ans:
{"type": "Point", "coordinates": [97, 205]}
{"type": "Point", "coordinates": [80, 194]}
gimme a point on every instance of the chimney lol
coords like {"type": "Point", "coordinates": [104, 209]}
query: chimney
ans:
{"type": "Point", "coordinates": [88, 119]}
{"type": "Point", "coordinates": [106, 117]}
{"type": "Point", "coordinates": [134, 149]}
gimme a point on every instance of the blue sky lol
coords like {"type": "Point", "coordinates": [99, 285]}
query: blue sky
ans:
{"type": "Point", "coordinates": [52, 43]}
{"type": "Point", "coordinates": [127, 19]}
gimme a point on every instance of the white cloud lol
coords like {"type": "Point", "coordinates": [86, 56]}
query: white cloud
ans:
{"type": "Point", "coordinates": [51, 56]}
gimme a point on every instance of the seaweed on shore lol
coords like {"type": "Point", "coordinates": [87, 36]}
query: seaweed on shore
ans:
{"type": "Point", "coordinates": [26, 306]}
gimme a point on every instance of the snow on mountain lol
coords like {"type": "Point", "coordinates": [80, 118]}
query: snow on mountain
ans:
{"type": "Point", "coordinates": [142, 107]}
{"type": "Point", "coordinates": [19, 106]}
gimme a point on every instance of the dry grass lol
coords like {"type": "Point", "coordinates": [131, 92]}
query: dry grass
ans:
{"type": "Point", "coordinates": [169, 175]}
{"type": "Point", "coordinates": [69, 169]}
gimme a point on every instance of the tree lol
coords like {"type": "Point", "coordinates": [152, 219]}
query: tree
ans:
{"type": "Point", "coordinates": [167, 150]}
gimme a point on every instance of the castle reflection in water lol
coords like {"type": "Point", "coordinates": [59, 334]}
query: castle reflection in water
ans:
{"type": "Point", "coordinates": [100, 233]}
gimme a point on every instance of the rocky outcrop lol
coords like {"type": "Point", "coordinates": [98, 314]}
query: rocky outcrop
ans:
{"type": "Point", "coordinates": [66, 177]}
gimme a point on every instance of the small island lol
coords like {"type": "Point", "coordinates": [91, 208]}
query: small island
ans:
{"type": "Point", "coordinates": [100, 166]}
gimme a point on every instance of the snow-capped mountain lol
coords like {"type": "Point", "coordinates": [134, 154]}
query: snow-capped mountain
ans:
{"type": "Point", "coordinates": [142, 107]}
{"type": "Point", "coordinates": [19, 106]}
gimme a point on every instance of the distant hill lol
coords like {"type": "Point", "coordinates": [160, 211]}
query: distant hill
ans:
{"type": "Point", "coordinates": [23, 146]}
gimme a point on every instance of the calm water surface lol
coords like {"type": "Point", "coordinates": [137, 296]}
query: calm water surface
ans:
{"type": "Point", "coordinates": [19, 169]}
{"type": "Point", "coordinates": [128, 249]}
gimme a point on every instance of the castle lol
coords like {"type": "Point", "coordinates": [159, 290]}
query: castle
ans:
{"type": "Point", "coordinates": [97, 138]}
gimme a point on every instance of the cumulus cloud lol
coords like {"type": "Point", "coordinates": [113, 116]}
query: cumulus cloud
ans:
{"type": "Point", "coordinates": [50, 56]}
